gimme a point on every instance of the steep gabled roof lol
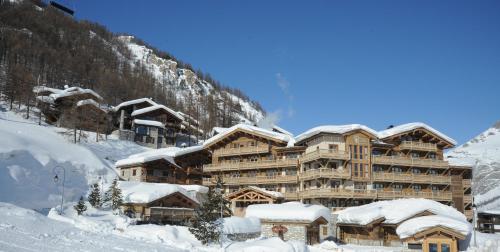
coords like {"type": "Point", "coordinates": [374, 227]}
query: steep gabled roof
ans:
{"type": "Point", "coordinates": [157, 107]}
{"type": "Point", "coordinates": [253, 130]}
{"type": "Point", "coordinates": [335, 129]}
{"type": "Point", "coordinates": [144, 193]}
{"type": "Point", "coordinates": [133, 102]}
{"type": "Point", "coordinates": [409, 127]}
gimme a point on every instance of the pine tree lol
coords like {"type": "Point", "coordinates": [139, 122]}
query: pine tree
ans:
{"type": "Point", "coordinates": [114, 195]}
{"type": "Point", "coordinates": [206, 226]}
{"type": "Point", "coordinates": [95, 196]}
{"type": "Point", "coordinates": [80, 207]}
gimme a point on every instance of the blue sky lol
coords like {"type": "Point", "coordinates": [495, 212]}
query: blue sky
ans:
{"type": "Point", "coordinates": [334, 62]}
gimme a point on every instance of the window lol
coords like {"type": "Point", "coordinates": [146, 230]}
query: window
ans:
{"type": "Point", "coordinates": [160, 140]}
{"type": "Point", "coordinates": [433, 247]}
{"type": "Point", "coordinates": [377, 168]}
{"type": "Point", "coordinates": [434, 188]}
{"type": "Point", "coordinates": [355, 151]}
{"type": "Point", "coordinates": [378, 186]}
{"type": "Point", "coordinates": [134, 172]}
{"type": "Point", "coordinates": [433, 172]}
{"type": "Point", "coordinates": [397, 187]}
{"type": "Point", "coordinates": [333, 147]}
{"type": "Point", "coordinates": [334, 184]}
{"type": "Point", "coordinates": [432, 155]}
{"type": "Point", "coordinates": [142, 130]}
{"type": "Point", "coordinates": [356, 174]}
{"type": "Point", "coordinates": [415, 155]}
{"type": "Point", "coordinates": [360, 152]}
{"type": "Point", "coordinates": [150, 172]}
{"type": "Point", "coordinates": [397, 169]}
{"type": "Point", "coordinates": [160, 131]}
{"type": "Point", "coordinates": [417, 188]}
{"type": "Point", "coordinates": [325, 231]}
{"type": "Point", "coordinates": [415, 171]}
{"type": "Point", "coordinates": [165, 174]}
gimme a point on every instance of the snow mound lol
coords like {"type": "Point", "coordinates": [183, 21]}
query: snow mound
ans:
{"type": "Point", "coordinates": [239, 225]}
{"type": "Point", "coordinates": [142, 192]}
{"type": "Point", "coordinates": [415, 225]}
{"type": "Point", "coordinates": [268, 245]}
{"type": "Point", "coordinates": [290, 211]}
{"type": "Point", "coordinates": [395, 211]}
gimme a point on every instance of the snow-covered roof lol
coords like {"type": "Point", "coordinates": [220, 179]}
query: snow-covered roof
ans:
{"type": "Point", "coordinates": [412, 126]}
{"type": "Point", "coordinates": [281, 130]}
{"type": "Point", "coordinates": [74, 91]}
{"type": "Point", "coordinates": [419, 224]}
{"type": "Point", "coordinates": [262, 190]}
{"type": "Point", "coordinates": [167, 154]}
{"type": "Point", "coordinates": [132, 102]}
{"type": "Point", "coordinates": [90, 102]}
{"type": "Point", "coordinates": [45, 99]}
{"type": "Point", "coordinates": [38, 89]}
{"type": "Point", "coordinates": [142, 192]}
{"type": "Point", "coordinates": [156, 107]}
{"type": "Point", "coordinates": [252, 129]}
{"type": "Point", "coordinates": [334, 129]}
{"type": "Point", "coordinates": [395, 211]}
{"type": "Point", "coordinates": [149, 123]}
{"type": "Point", "coordinates": [195, 188]}
{"type": "Point", "coordinates": [217, 130]}
{"type": "Point", "coordinates": [290, 211]}
{"type": "Point", "coordinates": [239, 225]}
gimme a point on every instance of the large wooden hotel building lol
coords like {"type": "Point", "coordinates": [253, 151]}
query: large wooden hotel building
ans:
{"type": "Point", "coordinates": [337, 166]}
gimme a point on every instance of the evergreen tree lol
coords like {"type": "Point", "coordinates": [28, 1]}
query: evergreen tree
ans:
{"type": "Point", "coordinates": [206, 226]}
{"type": "Point", "coordinates": [114, 195]}
{"type": "Point", "coordinates": [80, 207]}
{"type": "Point", "coordinates": [95, 196]}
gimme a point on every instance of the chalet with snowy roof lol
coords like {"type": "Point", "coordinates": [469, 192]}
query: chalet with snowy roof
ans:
{"type": "Point", "coordinates": [250, 195]}
{"type": "Point", "coordinates": [409, 223]}
{"type": "Point", "coordinates": [247, 155]}
{"type": "Point", "coordinates": [292, 221]}
{"type": "Point", "coordinates": [158, 203]}
{"type": "Point", "coordinates": [167, 165]}
{"type": "Point", "coordinates": [488, 221]}
{"type": "Point", "coordinates": [73, 107]}
{"type": "Point", "coordinates": [341, 165]}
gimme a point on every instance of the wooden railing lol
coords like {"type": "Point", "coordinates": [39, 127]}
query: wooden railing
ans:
{"type": "Point", "coordinates": [411, 178]}
{"type": "Point", "coordinates": [407, 161]}
{"type": "Point", "coordinates": [438, 195]}
{"type": "Point", "coordinates": [158, 179]}
{"type": "Point", "coordinates": [292, 195]}
{"type": "Point", "coordinates": [324, 153]}
{"type": "Point", "coordinates": [467, 183]}
{"type": "Point", "coordinates": [241, 150]}
{"type": "Point", "coordinates": [412, 145]}
{"type": "Point", "coordinates": [469, 214]}
{"type": "Point", "coordinates": [235, 166]}
{"type": "Point", "coordinates": [324, 173]}
{"type": "Point", "coordinates": [277, 179]}
{"type": "Point", "coordinates": [468, 199]}
{"type": "Point", "coordinates": [373, 194]}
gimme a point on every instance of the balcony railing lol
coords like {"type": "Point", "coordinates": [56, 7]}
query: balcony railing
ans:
{"type": "Point", "coordinates": [467, 183]}
{"type": "Point", "coordinates": [373, 194]}
{"type": "Point", "coordinates": [411, 178]}
{"type": "Point", "coordinates": [241, 151]}
{"type": "Point", "coordinates": [407, 161]}
{"type": "Point", "coordinates": [324, 153]}
{"type": "Point", "coordinates": [468, 199]}
{"type": "Point", "coordinates": [324, 173]}
{"type": "Point", "coordinates": [277, 179]}
{"type": "Point", "coordinates": [235, 166]}
{"type": "Point", "coordinates": [159, 179]}
{"type": "Point", "coordinates": [436, 195]}
{"type": "Point", "coordinates": [412, 145]}
{"type": "Point", "coordinates": [469, 214]}
{"type": "Point", "coordinates": [291, 195]}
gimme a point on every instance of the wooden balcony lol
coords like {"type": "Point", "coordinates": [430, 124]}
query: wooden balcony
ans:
{"type": "Point", "coordinates": [467, 183]}
{"type": "Point", "coordinates": [438, 196]}
{"type": "Point", "coordinates": [412, 145]}
{"type": "Point", "coordinates": [411, 178]}
{"type": "Point", "coordinates": [338, 193]}
{"type": "Point", "coordinates": [291, 195]}
{"type": "Point", "coordinates": [257, 180]}
{"type": "Point", "coordinates": [468, 199]}
{"type": "Point", "coordinates": [241, 151]}
{"type": "Point", "coordinates": [324, 153]}
{"type": "Point", "coordinates": [469, 214]}
{"type": "Point", "coordinates": [324, 173]}
{"type": "Point", "coordinates": [159, 179]}
{"type": "Point", "coordinates": [407, 161]}
{"type": "Point", "coordinates": [263, 164]}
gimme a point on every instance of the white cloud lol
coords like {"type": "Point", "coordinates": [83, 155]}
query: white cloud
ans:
{"type": "Point", "coordinates": [284, 85]}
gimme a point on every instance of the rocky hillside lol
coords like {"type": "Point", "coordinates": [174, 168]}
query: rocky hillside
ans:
{"type": "Point", "coordinates": [44, 46]}
{"type": "Point", "coordinates": [483, 153]}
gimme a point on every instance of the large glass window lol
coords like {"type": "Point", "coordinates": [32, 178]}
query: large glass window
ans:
{"type": "Point", "coordinates": [433, 247]}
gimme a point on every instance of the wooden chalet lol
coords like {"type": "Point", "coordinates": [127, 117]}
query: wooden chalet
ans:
{"type": "Point", "coordinates": [488, 221]}
{"type": "Point", "coordinates": [250, 195]}
{"type": "Point", "coordinates": [151, 168]}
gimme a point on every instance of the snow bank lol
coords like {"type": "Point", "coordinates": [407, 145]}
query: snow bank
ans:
{"type": "Point", "coordinates": [268, 245]}
{"type": "Point", "coordinates": [239, 225]}
{"type": "Point", "coordinates": [334, 129]}
{"type": "Point", "coordinates": [149, 123]}
{"type": "Point", "coordinates": [290, 211]}
{"type": "Point", "coordinates": [415, 225]}
{"type": "Point", "coordinates": [395, 211]}
{"type": "Point", "coordinates": [142, 192]}
{"type": "Point", "coordinates": [412, 126]}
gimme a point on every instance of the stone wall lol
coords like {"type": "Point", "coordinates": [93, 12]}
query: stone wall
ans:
{"type": "Point", "coordinates": [295, 232]}
{"type": "Point", "coordinates": [243, 236]}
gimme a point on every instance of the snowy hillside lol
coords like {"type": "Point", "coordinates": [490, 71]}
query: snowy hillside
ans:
{"type": "Point", "coordinates": [29, 153]}
{"type": "Point", "coordinates": [184, 81]}
{"type": "Point", "coordinates": [483, 153]}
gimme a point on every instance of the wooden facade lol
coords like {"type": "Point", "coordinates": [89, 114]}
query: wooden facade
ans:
{"type": "Point", "coordinates": [341, 170]}
{"type": "Point", "coordinates": [154, 171]}
{"type": "Point", "coordinates": [241, 199]}
{"type": "Point", "coordinates": [488, 222]}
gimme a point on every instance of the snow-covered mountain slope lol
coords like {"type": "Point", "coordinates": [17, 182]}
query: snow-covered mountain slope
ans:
{"type": "Point", "coordinates": [29, 154]}
{"type": "Point", "coordinates": [183, 81]}
{"type": "Point", "coordinates": [483, 154]}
